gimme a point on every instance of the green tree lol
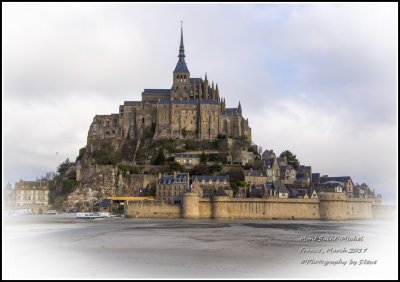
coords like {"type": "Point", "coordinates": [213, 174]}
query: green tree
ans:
{"type": "Point", "coordinates": [215, 168]}
{"type": "Point", "coordinates": [233, 185]}
{"type": "Point", "coordinates": [106, 155]}
{"type": "Point", "coordinates": [175, 166]}
{"type": "Point", "coordinates": [184, 132]}
{"type": "Point", "coordinates": [63, 167]}
{"type": "Point", "coordinates": [203, 157]}
{"type": "Point", "coordinates": [160, 159]}
{"type": "Point", "coordinates": [201, 169]}
{"type": "Point", "coordinates": [291, 158]}
{"type": "Point", "coordinates": [81, 153]}
{"type": "Point", "coordinates": [58, 203]}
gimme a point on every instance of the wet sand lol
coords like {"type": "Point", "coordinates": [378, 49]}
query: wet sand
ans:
{"type": "Point", "coordinates": [61, 246]}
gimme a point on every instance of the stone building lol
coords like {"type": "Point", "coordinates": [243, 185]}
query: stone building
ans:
{"type": "Point", "coordinates": [330, 186]}
{"type": "Point", "coordinates": [9, 198]}
{"type": "Point", "coordinates": [252, 177]}
{"type": "Point", "coordinates": [211, 184]}
{"type": "Point", "coordinates": [288, 174]}
{"type": "Point", "coordinates": [268, 154]}
{"type": "Point", "coordinates": [281, 190]}
{"type": "Point", "coordinates": [187, 160]}
{"type": "Point", "coordinates": [304, 174]}
{"type": "Point", "coordinates": [346, 181]}
{"type": "Point", "coordinates": [191, 108]}
{"type": "Point", "coordinates": [270, 168]}
{"type": "Point", "coordinates": [170, 188]}
{"type": "Point", "coordinates": [33, 195]}
{"type": "Point", "coordinates": [243, 158]}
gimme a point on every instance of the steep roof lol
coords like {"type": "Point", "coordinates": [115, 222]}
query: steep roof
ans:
{"type": "Point", "coordinates": [197, 80]}
{"type": "Point", "coordinates": [181, 65]}
{"type": "Point", "coordinates": [183, 155]}
{"type": "Point", "coordinates": [189, 102]}
{"type": "Point", "coordinates": [169, 179]}
{"type": "Point", "coordinates": [213, 178]}
{"type": "Point", "coordinates": [156, 92]}
{"type": "Point", "coordinates": [220, 192]}
{"type": "Point", "coordinates": [340, 178]}
{"type": "Point", "coordinates": [280, 187]}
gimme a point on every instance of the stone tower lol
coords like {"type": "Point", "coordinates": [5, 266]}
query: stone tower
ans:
{"type": "Point", "coordinates": [181, 75]}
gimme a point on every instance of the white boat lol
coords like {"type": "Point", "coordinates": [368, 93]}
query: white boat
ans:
{"type": "Point", "coordinates": [51, 212]}
{"type": "Point", "coordinates": [107, 214]}
{"type": "Point", "coordinates": [89, 215]}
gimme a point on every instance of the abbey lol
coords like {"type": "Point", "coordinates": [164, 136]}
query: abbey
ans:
{"type": "Point", "coordinates": [191, 109]}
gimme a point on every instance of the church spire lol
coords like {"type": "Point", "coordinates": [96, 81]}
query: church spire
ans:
{"type": "Point", "coordinates": [240, 108]}
{"type": "Point", "coordinates": [181, 65]}
{"type": "Point", "coordinates": [181, 47]}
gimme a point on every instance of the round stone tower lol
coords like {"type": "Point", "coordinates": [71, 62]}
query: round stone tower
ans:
{"type": "Point", "coordinates": [190, 207]}
{"type": "Point", "coordinates": [220, 206]}
{"type": "Point", "coordinates": [332, 205]}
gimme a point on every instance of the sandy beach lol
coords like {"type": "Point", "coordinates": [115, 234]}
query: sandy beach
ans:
{"type": "Point", "coordinates": [61, 246]}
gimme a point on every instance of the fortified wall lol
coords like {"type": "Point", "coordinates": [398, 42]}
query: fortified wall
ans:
{"type": "Point", "coordinates": [329, 206]}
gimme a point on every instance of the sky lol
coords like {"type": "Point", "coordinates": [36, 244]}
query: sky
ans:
{"type": "Point", "coordinates": [317, 79]}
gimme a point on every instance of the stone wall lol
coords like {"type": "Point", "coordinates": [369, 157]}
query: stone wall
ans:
{"type": "Point", "coordinates": [92, 190]}
{"type": "Point", "coordinates": [84, 172]}
{"type": "Point", "coordinates": [133, 183]}
{"type": "Point", "coordinates": [152, 209]}
{"type": "Point", "coordinates": [336, 206]}
{"type": "Point", "coordinates": [383, 212]}
{"type": "Point", "coordinates": [225, 207]}
{"type": "Point", "coordinates": [331, 206]}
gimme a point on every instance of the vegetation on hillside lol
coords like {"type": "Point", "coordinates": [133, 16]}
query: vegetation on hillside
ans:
{"type": "Point", "coordinates": [291, 158]}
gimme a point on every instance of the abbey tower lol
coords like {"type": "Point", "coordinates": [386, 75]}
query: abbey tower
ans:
{"type": "Point", "coordinates": [191, 109]}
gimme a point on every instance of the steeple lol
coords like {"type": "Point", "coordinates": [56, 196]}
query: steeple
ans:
{"type": "Point", "coordinates": [212, 91]}
{"type": "Point", "coordinates": [240, 108]}
{"type": "Point", "coordinates": [206, 88]}
{"type": "Point", "coordinates": [217, 93]}
{"type": "Point", "coordinates": [181, 65]}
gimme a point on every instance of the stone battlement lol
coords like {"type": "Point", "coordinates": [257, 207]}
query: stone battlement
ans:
{"type": "Point", "coordinates": [330, 206]}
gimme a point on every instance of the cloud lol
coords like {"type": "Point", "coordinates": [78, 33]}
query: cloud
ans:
{"type": "Point", "coordinates": [319, 79]}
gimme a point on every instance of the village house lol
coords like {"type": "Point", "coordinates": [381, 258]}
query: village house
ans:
{"type": "Point", "coordinates": [187, 160]}
{"type": "Point", "coordinates": [170, 188]}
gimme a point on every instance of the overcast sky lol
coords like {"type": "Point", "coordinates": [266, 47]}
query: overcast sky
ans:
{"type": "Point", "coordinates": [317, 79]}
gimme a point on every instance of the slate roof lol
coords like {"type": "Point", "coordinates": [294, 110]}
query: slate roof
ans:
{"type": "Point", "coordinates": [187, 156]}
{"type": "Point", "coordinates": [181, 65]}
{"type": "Point", "coordinates": [231, 111]}
{"type": "Point", "coordinates": [189, 102]}
{"type": "Point", "coordinates": [257, 192]}
{"type": "Point", "coordinates": [300, 175]}
{"type": "Point", "coordinates": [240, 193]}
{"type": "Point", "coordinates": [269, 161]}
{"type": "Point", "coordinates": [280, 187]}
{"type": "Point", "coordinates": [213, 178]}
{"type": "Point", "coordinates": [169, 179]}
{"type": "Point", "coordinates": [340, 178]}
{"type": "Point", "coordinates": [198, 80]}
{"type": "Point", "coordinates": [315, 176]}
{"type": "Point", "coordinates": [220, 192]}
{"type": "Point", "coordinates": [105, 203]}
{"type": "Point", "coordinates": [253, 173]}
{"type": "Point", "coordinates": [156, 92]}
{"type": "Point", "coordinates": [132, 103]}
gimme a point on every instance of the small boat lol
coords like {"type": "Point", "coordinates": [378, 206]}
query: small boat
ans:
{"type": "Point", "coordinates": [89, 215]}
{"type": "Point", "coordinates": [51, 212]}
{"type": "Point", "coordinates": [107, 214]}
